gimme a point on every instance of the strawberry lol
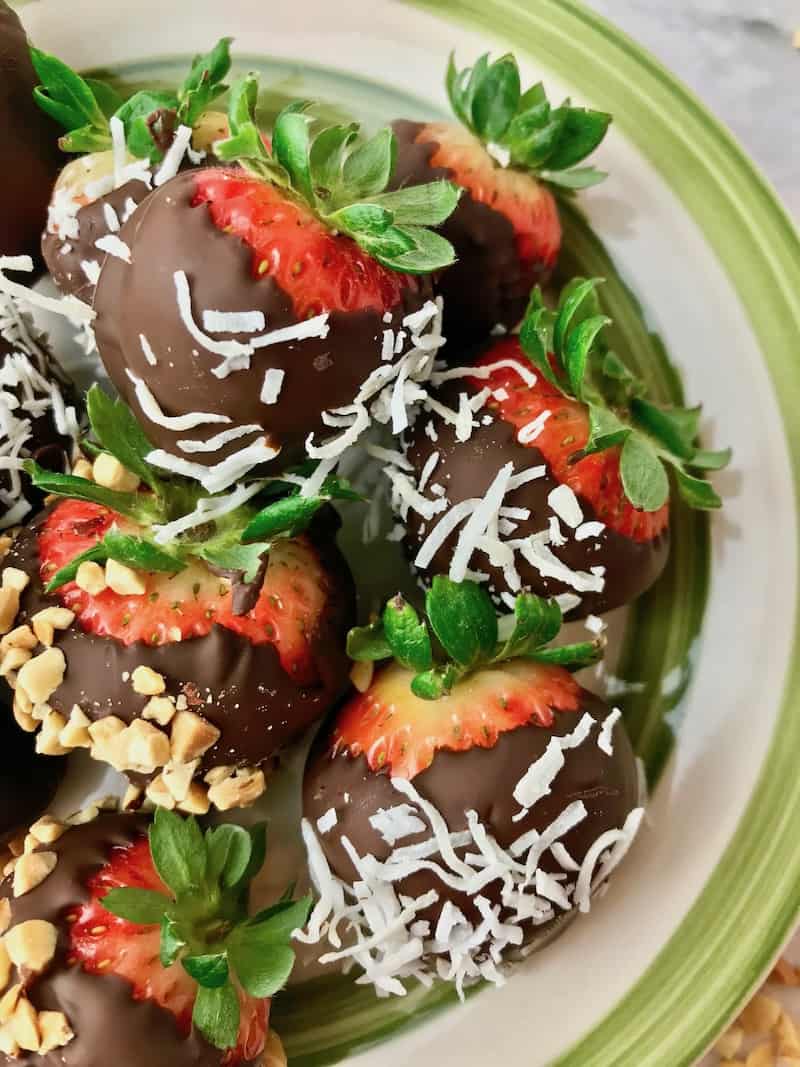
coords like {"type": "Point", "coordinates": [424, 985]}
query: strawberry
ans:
{"type": "Point", "coordinates": [402, 732]}
{"type": "Point", "coordinates": [432, 800]}
{"type": "Point", "coordinates": [93, 195]}
{"type": "Point", "coordinates": [232, 610]}
{"type": "Point", "coordinates": [509, 152]}
{"type": "Point", "coordinates": [308, 259]}
{"type": "Point", "coordinates": [161, 911]}
{"type": "Point", "coordinates": [557, 406]}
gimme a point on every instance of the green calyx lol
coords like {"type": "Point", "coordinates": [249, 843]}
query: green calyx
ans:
{"type": "Point", "coordinates": [205, 922]}
{"type": "Point", "coordinates": [343, 179]}
{"type": "Point", "coordinates": [548, 141]}
{"type": "Point", "coordinates": [459, 634]}
{"type": "Point", "coordinates": [568, 349]}
{"type": "Point", "coordinates": [84, 106]}
{"type": "Point", "coordinates": [236, 542]}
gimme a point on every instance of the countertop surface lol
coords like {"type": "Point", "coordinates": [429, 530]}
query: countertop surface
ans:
{"type": "Point", "coordinates": [738, 56]}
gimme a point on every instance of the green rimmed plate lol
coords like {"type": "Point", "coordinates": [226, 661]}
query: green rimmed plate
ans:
{"type": "Point", "coordinates": [690, 228]}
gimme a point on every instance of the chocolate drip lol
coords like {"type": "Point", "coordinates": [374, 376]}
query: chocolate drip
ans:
{"type": "Point", "coordinates": [169, 234]}
{"type": "Point", "coordinates": [29, 156]}
{"type": "Point", "coordinates": [467, 469]}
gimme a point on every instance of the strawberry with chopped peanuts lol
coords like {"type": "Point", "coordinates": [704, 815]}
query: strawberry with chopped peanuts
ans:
{"type": "Point", "coordinates": [560, 485]}
{"type": "Point", "coordinates": [258, 294]}
{"type": "Point", "coordinates": [446, 783]}
{"type": "Point", "coordinates": [156, 132]}
{"type": "Point", "coordinates": [184, 639]}
{"type": "Point", "coordinates": [136, 944]}
{"type": "Point", "coordinates": [511, 152]}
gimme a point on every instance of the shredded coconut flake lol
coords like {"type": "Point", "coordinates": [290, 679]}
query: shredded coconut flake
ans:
{"type": "Point", "coordinates": [565, 504]}
{"type": "Point", "coordinates": [273, 383]}
{"type": "Point", "coordinates": [214, 444]}
{"type": "Point", "coordinates": [220, 476]}
{"type": "Point", "coordinates": [205, 511]}
{"type": "Point", "coordinates": [147, 350]}
{"type": "Point", "coordinates": [113, 246]}
{"type": "Point", "coordinates": [605, 742]}
{"type": "Point", "coordinates": [589, 529]}
{"type": "Point", "coordinates": [173, 157]}
{"type": "Point", "coordinates": [395, 824]}
{"type": "Point", "coordinates": [152, 410]}
{"type": "Point", "coordinates": [234, 321]}
{"type": "Point", "coordinates": [327, 822]}
{"type": "Point", "coordinates": [528, 434]}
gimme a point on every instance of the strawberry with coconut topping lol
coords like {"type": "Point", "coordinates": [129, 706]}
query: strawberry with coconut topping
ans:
{"type": "Point", "coordinates": [511, 152]}
{"type": "Point", "coordinates": [257, 295]}
{"type": "Point", "coordinates": [469, 791]}
{"type": "Point", "coordinates": [138, 944]}
{"type": "Point", "coordinates": [123, 148]}
{"type": "Point", "coordinates": [571, 453]}
{"type": "Point", "coordinates": [183, 638]}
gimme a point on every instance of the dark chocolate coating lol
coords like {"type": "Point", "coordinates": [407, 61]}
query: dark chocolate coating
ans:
{"type": "Point", "coordinates": [110, 1026]}
{"type": "Point", "coordinates": [489, 284]}
{"type": "Point", "coordinates": [27, 781]}
{"type": "Point", "coordinates": [481, 780]}
{"type": "Point", "coordinates": [168, 234]}
{"type": "Point", "coordinates": [64, 256]}
{"type": "Point", "coordinates": [45, 444]}
{"type": "Point", "coordinates": [29, 153]}
{"type": "Point", "coordinates": [256, 705]}
{"type": "Point", "coordinates": [467, 469]}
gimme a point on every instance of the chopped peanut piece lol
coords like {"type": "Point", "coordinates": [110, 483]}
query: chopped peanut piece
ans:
{"type": "Point", "coordinates": [218, 774]}
{"type": "Point", "coordinates": [6, 541]}
{"type": "Point", "coordinates": [32, 945]}
{"type": "Point", "coordinates": [5, 967]}
{"type": "Point", "coordinates": [239, 791]}
{"type": "Point", "coordinates": [87, 814]}
{"type": "Point", "coordinates": [31, 870]}
{"type": "Point", "coordinates": [7, 1043]}
{"type": "Point", "coordinates": [730, 1043]}
{"type": "Point", "coordinates": [13, 660]}
{"type": "Point", "coordinates": [31, 844]}
{"type": "Point", "coordinates": [160, 710]}
{"type": "Point", "coordinates": [48, 620]}
{"type": "Point", "coordinates": [8, 1003]}
{"type": "Point", "coordinates": [76, 733]}
{"type": "Point", "coordinates": [124, 580]}
{"type": "Point", "coordinates": [19, 637]}
{"type": "Point", "coordinates": [25, 721]}
{"type": "Point", "coordinates": [178, 777]}
{"type": "Point", "coordinates": [147, 682]}
{"type": "Point", "coordinates": [158, 793]}
{"type": "Point", "coordinates": [786, 973]}
{"type": "Point", "coordinates": [83, 469]}
{"type": "Point", "coordinates": [9, 607]}
{"type": "Point", "coordinates": [48, 741]}
{"type": "Point", "coordinates": [5, 915]}
{"type": "Point", "coordinates": [42, 675]}
{"type": "Point", "coordinates": [760, 1015]}
{"type": "Point", "coordinates": [196, 801]}
{"type": "Point", "coordinates": [16, 846]}
{"type": "Point", "coordinates": [761, 1056]}
{"type": "Point", "coordinates": [55, 1031]}
{"type": "Point", "coordinates": [91, 578]}
{"type": "Point", "coordinates": [14, 578]}
{"type": "Point", "coordinates": [106, 737]}
{"type": "Point", "coordinates": [144, 747]}
{"type": "Point", "coordinates": [23, 1026]}
{"type": "Point", "coordinates": [192, 736]}
{"type": "Point", "coordinates": [109, 472]}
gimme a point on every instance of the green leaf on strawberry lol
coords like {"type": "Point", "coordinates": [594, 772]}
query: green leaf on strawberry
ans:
{"type": "Point", "coordinates": [343, 180]}
{"type": "Point", "coordinates": [568, 348]}
{"type": "Point", "coordinates": [134, 552]}
{"type": "Point", "coordinates": [204, 920]}
{"type": "Point", "coordinates": [488, 99]}
{"type": "Point", "coordinates": [85, 106]}
{"type": "Point", "coordinates": [458, 636]}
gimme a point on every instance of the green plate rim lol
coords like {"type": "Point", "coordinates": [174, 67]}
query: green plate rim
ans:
{"type": "Point", "coordinates": [728, 940]}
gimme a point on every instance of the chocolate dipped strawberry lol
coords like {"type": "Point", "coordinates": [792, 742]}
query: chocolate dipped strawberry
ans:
{"type": "Point", "coordinates": [256, 299]}
{"type": "Point", "coordinates": [29, 157]}
{"type": "Point", "coordinates": [124, 148]}
{"type": "Point", "coordinates": [185, 639]}
{"type": "Point", "coordinates": [131, 941]}
{"type": "Point", "coordinates": [459, 807]}
{"type": "Point", "coordinates": [510, 151]}
{"type": "Point", "coordinates": [558, 482]}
